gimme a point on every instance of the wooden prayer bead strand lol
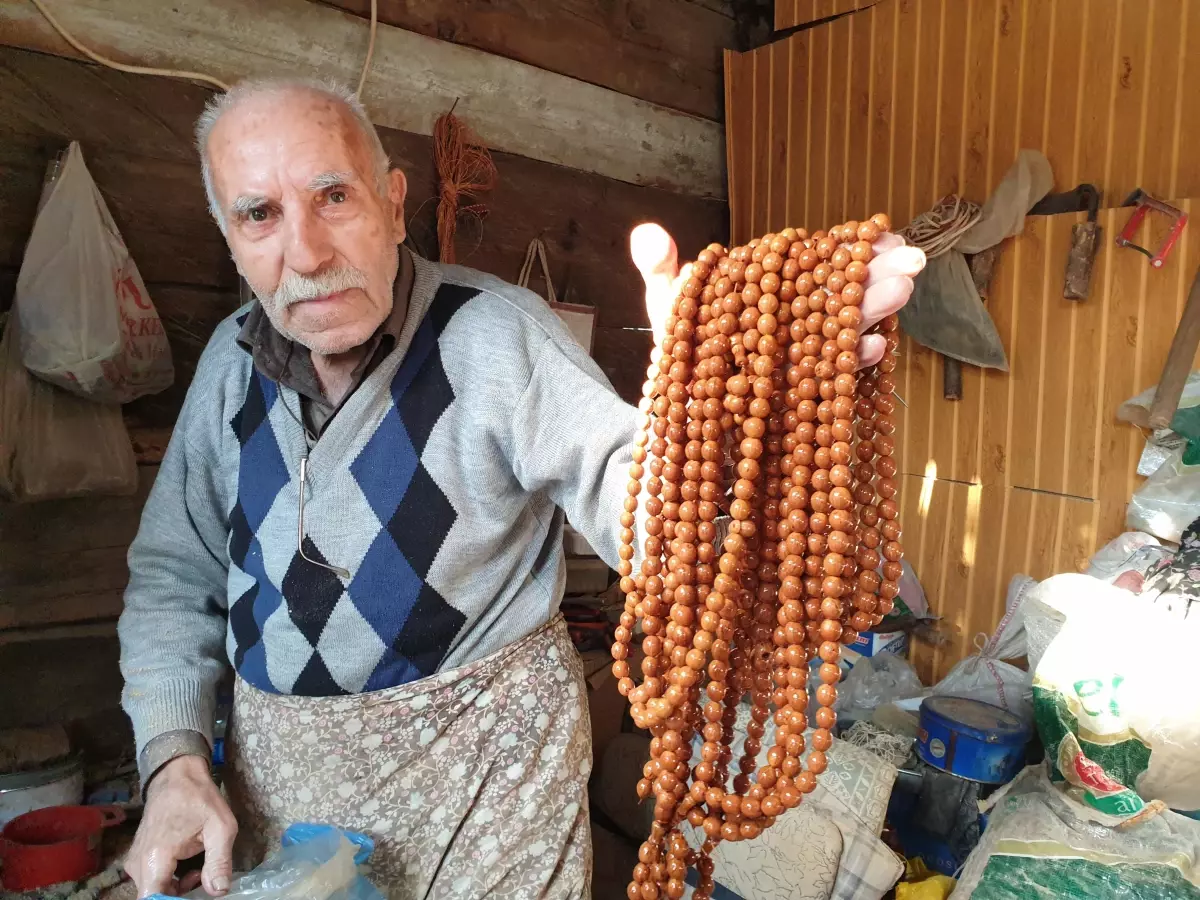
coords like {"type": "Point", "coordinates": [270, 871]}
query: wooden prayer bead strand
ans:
{"type": "Point", "coordinates": [884, 407]}
{"type": "Point", "coordinates": [761, 565]}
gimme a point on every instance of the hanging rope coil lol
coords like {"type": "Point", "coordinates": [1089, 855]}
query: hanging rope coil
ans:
{"type": "Point", "coordinates": [938, 230]}
{"type": "Point", "coordinates": [465, 170]}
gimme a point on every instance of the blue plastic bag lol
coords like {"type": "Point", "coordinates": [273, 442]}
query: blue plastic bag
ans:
{"type": "Point", "coordinates": [315, 862]}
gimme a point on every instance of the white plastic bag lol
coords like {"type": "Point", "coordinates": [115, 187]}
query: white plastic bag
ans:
{"type": "Point", "coordinates": [1168, 502]}
{"type": "Point", "coordinates": [985, 676]}
{"type": "Point", "coordinates": [875, 681]}
{"type": "Point", "coordinates": [1132, 551]}
{"type": "Point", "coordinates": [87, 323]}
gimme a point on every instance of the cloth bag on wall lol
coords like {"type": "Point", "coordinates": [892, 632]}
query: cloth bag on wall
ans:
{"type": "Point", "coordinates": [581, 320]}
{"type": "Point", "coordinates": [87, 323]}
{"type": "Point", "coordinates": [54, 444]}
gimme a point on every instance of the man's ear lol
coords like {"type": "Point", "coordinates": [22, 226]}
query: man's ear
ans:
{"type": "Point", "coordinates": [397, 192]}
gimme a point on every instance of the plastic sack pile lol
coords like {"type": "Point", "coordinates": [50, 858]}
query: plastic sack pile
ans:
{"type": "Point", "coordinates": [87, 323]}
{"type": "Point", "coordinates": [1040, 845]}
{"type": "Point", "coordinates": [315, 862]}
{"type": "Point", "coordinates": [1101, 816]}
{"type": "Point", "coordinates": [1119, 724]}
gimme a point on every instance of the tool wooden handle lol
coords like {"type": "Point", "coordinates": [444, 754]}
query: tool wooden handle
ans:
{"type": "Point", "coordinates": [952, 378]}
{"type": "Point", "coordinates": [1179, 361]}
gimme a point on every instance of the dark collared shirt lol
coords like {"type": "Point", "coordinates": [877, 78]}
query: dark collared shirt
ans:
{"type": "Point", "coordinates": [290, 364]}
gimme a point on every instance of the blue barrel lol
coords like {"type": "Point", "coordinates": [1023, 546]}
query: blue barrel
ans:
{"type": "Point", "coordinates": [971, 739]}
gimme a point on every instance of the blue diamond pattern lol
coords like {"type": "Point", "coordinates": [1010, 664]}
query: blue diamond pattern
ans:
{"type": "Point", "coordinates": [389, 588]}
{"type": "Point", "coordinates": [414, 517]}
{"type": "Point", "coordinates": [262, 474]}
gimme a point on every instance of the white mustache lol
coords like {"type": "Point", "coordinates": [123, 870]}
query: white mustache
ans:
{"type": "Point", "coordinates": [298, 288]}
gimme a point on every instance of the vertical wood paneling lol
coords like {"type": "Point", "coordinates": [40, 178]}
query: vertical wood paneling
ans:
{"type": "Point", "coordinates": [837, 166]}
{"type": "Point", "coordinates": [1099, 86]}
{"type": "Point", "coordinates": [1031, 471]}
{"type": "Point", "coordinates": [764, 114]}
{"type": "Point", "coordinates": [856, 180]}
{"type": "Point", "coordinates": [789, 13]}
{"type": "Point", "coordinates": [739, 139]}
{"type": "Point", "coordinates": [776, 204]}
{"type": "Point", "coordinates": [799, 86]}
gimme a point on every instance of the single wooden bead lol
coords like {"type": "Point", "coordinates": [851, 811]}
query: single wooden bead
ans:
{"type": "Point", "coordinates": [868, 231]}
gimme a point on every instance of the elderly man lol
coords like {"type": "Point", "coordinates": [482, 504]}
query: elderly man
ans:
{"type": "Point", "coordinates": [361, 510]}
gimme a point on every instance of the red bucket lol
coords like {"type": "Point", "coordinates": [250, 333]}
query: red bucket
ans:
{"type": "Point", "coordinates": [53, 845]}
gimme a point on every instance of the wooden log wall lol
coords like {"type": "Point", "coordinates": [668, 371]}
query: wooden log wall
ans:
{"type": "Point", "coordinates": [665, 51]}
{"type": "Point", "coordinates": [1030, 472]}
{"type": "Point", "coordinates": [62, 565]}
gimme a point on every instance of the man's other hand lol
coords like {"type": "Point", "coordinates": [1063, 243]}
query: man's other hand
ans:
{"type": "Point", "coordinates": [889, 282]}
{"type": "Point", "coordinates": [184, 815]}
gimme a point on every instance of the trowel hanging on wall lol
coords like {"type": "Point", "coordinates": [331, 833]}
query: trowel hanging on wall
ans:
{"type": "Point", "coordinates": [1085, 236]}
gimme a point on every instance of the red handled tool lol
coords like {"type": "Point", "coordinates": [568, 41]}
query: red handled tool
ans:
{"type": "Point", "coordinates": [1145, 204]}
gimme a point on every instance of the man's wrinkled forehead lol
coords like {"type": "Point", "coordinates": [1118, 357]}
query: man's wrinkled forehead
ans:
{"type": "Point", "coordinates": [294, 134]}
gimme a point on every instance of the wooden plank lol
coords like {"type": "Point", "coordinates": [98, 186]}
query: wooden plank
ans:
{"type": "Point", "coordinates": [955, 19]}
{"type": "Point", "coordinates": [985, 509]}
{"type": "Point", "coordinates": [1056, 397]}
{"type": "Point", "coordinates": [777, 173]}
{"type": "Point", "coordinates": [857, 147]}
{"type": "Point", "coordinates": [879, 110]}
{"type": "Point", "coordinates": [584, 221]}
{"type": "Point", "coordinates": [1086, 350]}
{"type": "Point", "coordinates": [46, 576]}
{"type": "Point", "coordinates": [837, 165]}
{"type": "Point", "coordinates": [38, 689]}
{"type": "Point", "coordinates": [1063, 88]}
{"type": "Point", "coordinates": [954, 40]}
{"type": "Point", "coordinates": [47, 97]}
{"type": "Point", "coordinates": [1131, 71]}
{"type": "Point", "coordinates": [824, 73]}
{"type": "Point", "coordinates": [633, 48]}
{"type": "Point", "coordinates": [760, 167]}
{"type": "Point", "coordinates": [1027, 356]}
{"type": "Point", "coordinates": [927, 25]}
{"type": "Point", "coordinates": [980, 102]}
{"type": "Point", "coordinates": [72, 526]}
{"type": "Point", "coordinates": [1185, 129]}
{"type": "Point", "coordinates": [798, 129]}
{"type": "Point", "coordinates": [1118, 442]}
{"type": "Point", "coordinates": [623, 354]}
{"type": "Point", "coordinates": [739, 141]}
{"type": "Point", "coordinates": [1096, 116]}
{"type": "Point", "coordinates": [955, 573]}
{"type": "Point", "coordinates": [993, 452]}
{"type": "Point", "coordinates": [977, 106]}
{"type": "Point", "coordinates": [514, 107]}
{"type": "Point", "coordinates": [55, 611]}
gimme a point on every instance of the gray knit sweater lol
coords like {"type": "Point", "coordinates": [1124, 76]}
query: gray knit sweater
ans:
{"type": "Point", "coordinates": [439, 489]}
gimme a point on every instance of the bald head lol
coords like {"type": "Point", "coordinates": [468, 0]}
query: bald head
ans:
{"type": "Point", "coordinates": [298, 94]}
{"type": "Point", "coordinates": [299, 182]}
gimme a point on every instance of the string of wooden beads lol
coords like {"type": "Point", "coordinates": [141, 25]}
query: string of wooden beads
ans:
{"type": "Point", "coordinates": [753, 406]}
